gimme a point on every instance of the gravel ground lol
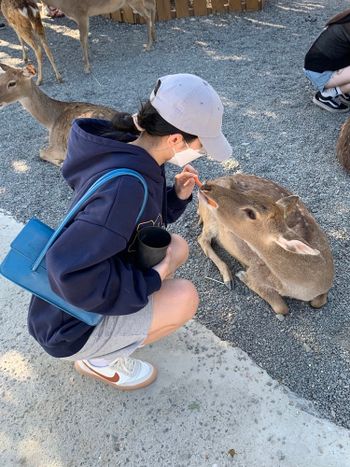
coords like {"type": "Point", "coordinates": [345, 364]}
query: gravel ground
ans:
{"type": "Point", "coordinates": [254, 60]}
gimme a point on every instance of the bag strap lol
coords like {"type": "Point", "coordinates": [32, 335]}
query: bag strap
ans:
{"type": "Point", "coordinates": [95, 186]}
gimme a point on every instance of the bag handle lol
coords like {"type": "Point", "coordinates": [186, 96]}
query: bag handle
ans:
{"type": "Point", "coordinates": [102, 180]}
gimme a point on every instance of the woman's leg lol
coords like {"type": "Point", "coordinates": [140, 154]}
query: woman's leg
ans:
{"type": "Point", "coordinates": [177, 300]}
{"type": "Point", "coordinates": [340, 79]}
{"type": "Point", "coordinates": [173, 305]}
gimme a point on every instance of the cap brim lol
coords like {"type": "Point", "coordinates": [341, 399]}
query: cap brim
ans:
{"type": "Point", "coordinates": [218, 147]}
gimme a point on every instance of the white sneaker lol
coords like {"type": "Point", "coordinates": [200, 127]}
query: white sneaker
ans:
{"type": "Point", "coordinates": [125, 374]}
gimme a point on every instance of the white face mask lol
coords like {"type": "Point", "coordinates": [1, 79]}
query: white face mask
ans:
{"type": "Point", "coordinates": [186, 156]}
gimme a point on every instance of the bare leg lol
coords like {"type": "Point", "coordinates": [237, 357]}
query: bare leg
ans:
{"type": "Point", "coordinates": [177, 300]}
{"type": "Point", "coordinates": [173, 305]}
{"type": "Point", "coordinates": [341, 78]}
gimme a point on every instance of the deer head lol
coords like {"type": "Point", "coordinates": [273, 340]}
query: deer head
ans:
{"type": "Point", "coordinates": [256, 218]}
{"type": "Point", "coordinates": [14, 83]}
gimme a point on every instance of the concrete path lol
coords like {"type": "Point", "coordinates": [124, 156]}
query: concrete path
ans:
{"type": "Point", "coordinates": [211, 406]}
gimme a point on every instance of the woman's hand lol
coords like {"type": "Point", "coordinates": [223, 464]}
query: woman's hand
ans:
{"type": "Point", "coordinates": [184, 182]}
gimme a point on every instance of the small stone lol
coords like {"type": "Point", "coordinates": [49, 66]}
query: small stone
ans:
{"type": "Point", "coordinates": [280, 317]}
{"type": "Point", "coordinates": [231, 452]}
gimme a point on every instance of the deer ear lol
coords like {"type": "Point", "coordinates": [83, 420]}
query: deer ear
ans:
{"type": "Point", "coordinates": [296, 246]}
{"type": "Point", "coordinates": [3, 67]}
{"type": "Point", "coordinates": [287, 203]}
{"type": "Point", "coordinates": [29, 71]}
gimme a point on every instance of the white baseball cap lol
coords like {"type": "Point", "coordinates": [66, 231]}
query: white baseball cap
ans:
{"type": "Point", "coordinates": [190, 104]}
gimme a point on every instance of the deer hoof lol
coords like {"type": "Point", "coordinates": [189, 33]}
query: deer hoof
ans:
{"type": "Point", "coordinates": [241, 275]}
{"type": "Point", "coordinates": [281, 309]}
{"type": "Point", "coordinates": [229, 284]}
{"type": "Point", "coordinates": [319, 301]}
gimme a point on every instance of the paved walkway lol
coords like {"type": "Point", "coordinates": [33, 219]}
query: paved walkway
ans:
{"type": "Point", "coordinates": [211, 406]}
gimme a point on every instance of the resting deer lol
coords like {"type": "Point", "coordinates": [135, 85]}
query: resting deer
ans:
{"type": "Point", "coordinates": [80, 11]}
{"type": "Point", "coordinates": [24, 17]}
{"type": "Point", "coordinates": [57, 116]}
{"type": "Point", "coordinates": [343, 146]}
{"type": "Point", "coordinates": [270, 232]}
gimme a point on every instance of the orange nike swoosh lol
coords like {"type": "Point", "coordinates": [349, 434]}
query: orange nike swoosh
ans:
{"type": "Point", "coordinates": [113, 379]}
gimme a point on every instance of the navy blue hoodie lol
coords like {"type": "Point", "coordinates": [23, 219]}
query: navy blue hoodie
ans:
{"type": "Point", "coordinates": [89, 264]}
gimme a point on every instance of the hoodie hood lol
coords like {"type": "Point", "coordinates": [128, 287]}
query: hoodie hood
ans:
{"type": "Point", "coordinates": [90, 153]}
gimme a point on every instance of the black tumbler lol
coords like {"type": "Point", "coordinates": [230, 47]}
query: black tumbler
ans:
{"type": "Point", "coordinates": [151, 245]}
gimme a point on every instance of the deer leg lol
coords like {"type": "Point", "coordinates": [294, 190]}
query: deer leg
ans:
{"type": "Point", "coordinates": [50, 57]}
{"type": "Point", "coordinates": [24, 52]}
{"type": "Point", "coordinates": [141, 10]}
{"type": "Point", "coordinates": [253, 279]}
{"type": "Point", "coordinates": [205, 242]}
{"type": "Point", "coordinates": [29, 39]}
{"type": "Point", "coordinates": [39, 58]}
{"type": "Point", "coordinates": [53, 155]}
{"type": "Point", "coordinates": [83, 25]}
{"type": "Point", "coordinates": [319, 301]}
{"type": "Point", "coordinates": [153, 18]}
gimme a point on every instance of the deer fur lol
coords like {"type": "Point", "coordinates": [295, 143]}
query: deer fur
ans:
{"type": "Point", "coordinates": [272, 234]}
{"type": "Point", "coordinates": [80, 11]}
{"type": "Point", "coordinates": [24, 17]}
{"type": "Point", "coordinates": [343, 146]}
{"type": "Point", "coordinates": [57, 116]}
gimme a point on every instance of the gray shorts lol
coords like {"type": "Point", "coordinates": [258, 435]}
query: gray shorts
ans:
{"type": "Point", "coordinates": [117, 336]}
{"type": "Point", "coordinates": [319, 80]}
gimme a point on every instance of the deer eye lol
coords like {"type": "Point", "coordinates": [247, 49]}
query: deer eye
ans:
{"type": "Point", "coordinates": [11, 84]}
{"type": "Point", "coordinates": [250, 213]}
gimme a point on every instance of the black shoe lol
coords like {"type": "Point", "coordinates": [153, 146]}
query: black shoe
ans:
{"type": "Point", "coordinates": [332, 104]}
{"type": "Point", "coordinates": [345, 99]}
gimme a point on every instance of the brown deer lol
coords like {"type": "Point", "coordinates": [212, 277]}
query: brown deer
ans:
{"type": "Point", "coordinates": [57, 116]}
{"type": "Point", "coordinates": [80, 11]}
{"type": "Point", "coordinates": [271, 233]}
{"type": "Point", "coordinates": [343, 146]}
{"type": "Point", "coordinates": [24, 17]}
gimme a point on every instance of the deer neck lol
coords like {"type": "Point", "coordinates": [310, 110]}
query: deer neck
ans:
{"type": "Point", "coordinates": [42, 107]}
{"type": "Point", "coordinates": [283, 264]}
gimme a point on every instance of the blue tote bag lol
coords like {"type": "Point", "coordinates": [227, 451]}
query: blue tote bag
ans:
{"type": "Point", "coordinates": [25, 263]}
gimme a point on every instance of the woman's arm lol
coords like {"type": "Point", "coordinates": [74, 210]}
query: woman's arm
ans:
{"type": "Point", "coordinates": [83, 264]}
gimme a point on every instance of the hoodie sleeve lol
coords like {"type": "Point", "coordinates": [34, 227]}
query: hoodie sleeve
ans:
{"type": "Point", "coordinates": [175, 205]}
{"type": "Point", "coordinates": [83, 264]}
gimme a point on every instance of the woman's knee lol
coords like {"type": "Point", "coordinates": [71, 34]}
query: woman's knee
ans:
{"type": "Point", "coordinates": [187, 299]}
{"type": "Point", "coordinates": [177, 300]}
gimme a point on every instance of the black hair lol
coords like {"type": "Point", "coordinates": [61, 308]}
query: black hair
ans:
{"type": "Point", "coordinates": [149, 119]}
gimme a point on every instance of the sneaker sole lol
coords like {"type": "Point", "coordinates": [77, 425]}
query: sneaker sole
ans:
{"type": "Point", "coordinates": [325, 107]}
{"type": "Point", "coordinates": [87, 372]}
